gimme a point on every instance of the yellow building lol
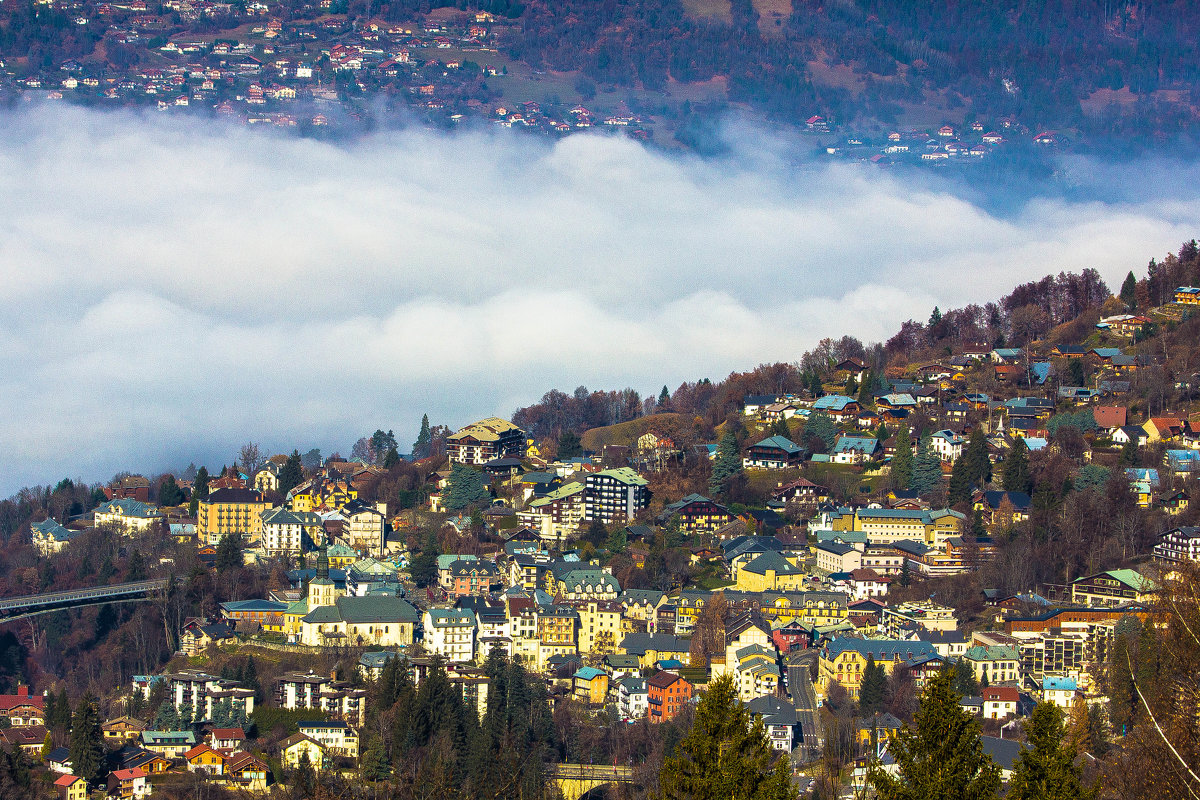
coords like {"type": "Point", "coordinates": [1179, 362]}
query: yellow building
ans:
{"type": "Point", "coordinates": [127, 516]}
{"type": "Point", "coordinates": [590, 685]}
{"type": "Point", "coordinates": [814, 608]}
{"type": "Point", "coordinates": [331, 494]}
{"type": "Point", "coordinates": [770, 572]}
{"type": "Point", "coordinates": [931, 528]}
{"type": "Point", "coordinates": [227, 511]}
{"type": "Point", "coordinates": [844, 659]}
{"type": "Point", "coordinates": [599, 626]}
{"type": "Point", "coordinates": [296, 747]}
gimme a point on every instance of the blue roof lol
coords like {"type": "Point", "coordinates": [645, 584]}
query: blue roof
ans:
{"type": "Point", "coordinates": [835, 402]}
{"type": "Point", "coordinates": [1053, 683]}
{"type": "Point", "coordinates": [846, 444]}
{"type": "Point", "coordinates": [1035, 442]}
{"type": "Point", "coordinates": [670, 663]}
{"type": "Point", "coordinates": [780, 443]}
{"type": "Point", "coordinates": [588, 673]}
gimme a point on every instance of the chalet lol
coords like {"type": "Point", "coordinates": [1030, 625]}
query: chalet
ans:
{"type": "Point", "coordinates": [1175, 502]}
{"type": "Point", "coordinates": [838, 407]}
{"type": "Point", "coordinates": [122, 729]}
{"type": "Point", "coordinates": [483, 441]}
{"type": "Point", "coordinates": [800, 491]}
{"type": "Point", "coordinates": [1131, 433]}
{"type": "Point", "coordinates": [1188, 295]}
{"type": "Point", "coordinates": [23, 708]}
{"type": "Point", "coordinates": [1003, 508]}
{"type": "Point", "coordinates": [129, 783]}
{"type": "Point", "coordinates": [696, 514]}
{"type": "Point", "coordinates": [774, 452]}
{"type": "Point", "coordinates": [1179, 544]}
{"type": "Point", "coordinates": [72, 787]}
{"type": "Point", "coordinates": [1116, 587]}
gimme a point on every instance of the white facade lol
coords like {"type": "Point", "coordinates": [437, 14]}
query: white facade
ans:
{"type": "Point", "coordinates": [450, 633]}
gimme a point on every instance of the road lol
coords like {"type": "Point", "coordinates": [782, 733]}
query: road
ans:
{"type": "Point", "coordinates": [804, 698]}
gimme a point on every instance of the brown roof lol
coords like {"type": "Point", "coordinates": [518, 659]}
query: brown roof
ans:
{"type": "Point", "coordinates": [662, 680]}
{"type": "Point", "coordinates": [1110, 416]}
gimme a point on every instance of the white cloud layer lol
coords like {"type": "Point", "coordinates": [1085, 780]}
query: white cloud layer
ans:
{"type": "Point", "coordinates": [174, 290]}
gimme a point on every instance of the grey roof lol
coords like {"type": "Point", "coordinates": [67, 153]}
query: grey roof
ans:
{"type": "Point", "coordinates": [1003, 751]}
{"type": "Point", "coordinates": [639, 643]}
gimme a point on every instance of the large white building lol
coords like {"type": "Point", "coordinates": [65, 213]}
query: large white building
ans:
{"type": "Point", "coordinates": [615, 495]}
{"type": "Point", "coordinates": [283, 531]}
{"type": "Point", "coordinates": [450, 633]}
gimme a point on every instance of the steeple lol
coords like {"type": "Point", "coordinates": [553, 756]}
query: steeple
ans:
{"type": "Point", "coordinates": [323, 562]}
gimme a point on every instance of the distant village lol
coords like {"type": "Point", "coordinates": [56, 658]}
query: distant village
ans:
{"type": "Point", "coordinates": [798, 599]}
{"type": "Point", "coordinates": [315, 69]}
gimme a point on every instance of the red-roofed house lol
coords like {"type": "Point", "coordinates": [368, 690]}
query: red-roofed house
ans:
{"type": "Point", "coordinates": [1000, 702]}
{"type": "Point", "coordinates": [203, 758]}
{"type": "Point", "coordinates": [1163, 428]}
{"type": "Point", "coordinates": [126, 783]}
{"type": "Point", "coordinates": [23, 708]}
{"type": "Point", "coordinates": [1109, 418]}
{"type": "Point", "coordinates": [72, 787]}
{"type": "Point", "coordinates": [227, 738]}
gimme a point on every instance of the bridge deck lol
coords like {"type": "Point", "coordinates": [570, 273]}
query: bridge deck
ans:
{"type": "Point", "coordinates": [590, 772]}
{"type": "Point", "coordinates": [9, 605]}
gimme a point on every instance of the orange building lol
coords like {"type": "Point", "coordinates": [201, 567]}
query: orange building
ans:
{"type": "Point", "coordinates": [668, 694]}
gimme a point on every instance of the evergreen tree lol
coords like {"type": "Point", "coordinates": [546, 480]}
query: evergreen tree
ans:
{"type": "Point", "coordinates": [375, 766]}
{"type": "Point", "coordinates": [424, 566]}
{"type": "Point", "coordinates": [61, 720]}
{"type": "Point", "coordinates": [229, 552]}
{"type": "Point", "coordinates": [926, 469]}
{"type": "Point", "coordinates": [291, 474]}
{"type": "Point", "coordinates": [943, 758]}
{"type": "Point", "coordinates": [902, 461]}
{"type": "Point", "coordinates": [979, 465]}
{"type": "Point", "coordinates": [47, 745]}
{"type": "Point", "coordinates": [304, 778]}
{"type": "Point", "coordinates": [965, 682]}
{"type": "Point", "coordinates": [960, 484]}
{"type": "Point", "coordinates": [1129, 290]}
{"type": "Point", "coordinates": [136, 568]}
{"type": "Point", "coordinates": [727, 465]}
{"type": "Point", "coordinates": [1129, 454]}
{"type": "Point", "coordinates": [424, 442]}
{"type": "Point", "coordinates": [780, 428]}
{"type": "Point", "coordinates": [569, 445]}
{"type": "Point", "coordinates": [199, 489]}
{"type": "Point", "coordinates": [391, 458]}
{"type": "Point", "coordinates": [1045, 769]}
{"type": "Point", "coordinates": [466, 488]}
{"type": "Point", "coordinates": [873, 688]}
{"type": "Point", "coordinates": [664, 400]}
{"type": "Point", "coordinates": [725, 756]}
{"type": "Point", "coordinates": [169, 493]}
{"type": "Point", "coordinates": [819, 432]}
{"type": "Point", "coordinates": [617, 540]}
{"type": "Point", "coordinates": [87, 742]}
{"type": "Point", "coordinates": [1016, 476]}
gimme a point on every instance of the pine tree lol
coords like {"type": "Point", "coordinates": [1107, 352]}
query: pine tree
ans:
{"type": "Point", "coordinates": [725, 756]}
{"type": "Point", "coordinates": [424, 442]}
{"type": "Point", "coordinates": [87, 742]}
{"type": "Point", "coordinates": [47, 745]}
{"type": "Point", "coordinates": [979, 466]}
{"type": "Point", "coordinates": [873, 687]}
{"type": "Point", "coordinates": [943, 758]}
{"type": "Point", "coordinates": [617, 540]}
{"type": "Point", "coordinates": [466, 488]}
{"type": "Point", "coordinates": [664, 399]}
{"type": "Point", "coordinates": [926, 469]}
{"type": "Point", "coordinates": [780, 428]}
{"type": "Point", "coordinates": [960, 484]}
{"type": "Point", "coordinates": [169, 493]}
{"type": "Point", "coordinates": [902, 461]}
{"type": "Point", "coordinates": [819, 432]}
{"type": "Point", "coordinates": [1016, 477]}
{"type": "Point", "coordinates": [304, 779]}
{"type": "Point", "coordinates": [199, 489]}
{"type": "Point", "coordinates": [728, 464]}
{"type": "Point", "coordinates": [1045, 770]}
{"type": "Point", "coordinates": [291, 474]}
{"type": "Point", "coordinates": [229, 552]}
{"type": "Point", "coordinates": [375, 766]}
{"type": "Point", "coordinates": [135, 569]}
{"type": "Point", "coordinates": [1129, 290]}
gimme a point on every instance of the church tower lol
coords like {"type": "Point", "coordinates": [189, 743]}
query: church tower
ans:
{"type": "Point", "coordinates": [321, 591]}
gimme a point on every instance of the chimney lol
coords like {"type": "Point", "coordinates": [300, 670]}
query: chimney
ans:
{"type": "Point", "coordinates": [22, 691]}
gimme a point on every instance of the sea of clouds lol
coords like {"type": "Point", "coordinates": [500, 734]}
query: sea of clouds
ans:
{"type": "Point", "coordinates": [172, 290]}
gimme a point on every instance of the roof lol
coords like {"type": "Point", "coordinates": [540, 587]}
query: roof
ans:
{"type": "Point", "coordinates": [639, 643]}
{"type": "Point", "coordinates": [588, 673]}
{"type": "Point", "coordinates": [772, 561]}
{"type": "Point", "coordinates": [67, 780]}
{"type": "Point", "coordinates": [881, 649]}
{"type": "Point", "coordinates": [624, 475]}
{"type": "Point", "coordinates": [780, 443]}
{"type": "Point", "coordinates": [1003, 751]}
{"type": "Point", "coordinates": [234, 496]}
{"type": "Point", "coordinates": [992, 652]}
{"type": "Point", "coordinates": [128, 507]}
{"type": "Point", "coordinates": [662, 680]}
{"type": "Point", "coordinates": [1053, 683]}
{"type": "Point", "coordinates": [486, 430]}
{"type": "Point", "coordinates": [833, 402]}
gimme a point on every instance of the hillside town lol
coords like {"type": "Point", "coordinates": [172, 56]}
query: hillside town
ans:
{"type": "Point", "coordinates": [320, 70]}
{"type": "Point", "coordinates": [831, 550]}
